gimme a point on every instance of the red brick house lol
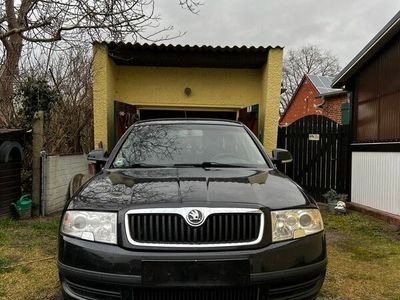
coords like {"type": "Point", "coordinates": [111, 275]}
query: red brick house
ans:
{"type": "Point", "coordinates": [314, 96]}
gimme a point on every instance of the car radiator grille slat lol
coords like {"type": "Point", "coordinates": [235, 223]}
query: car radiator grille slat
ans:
{"type": "Point", "coordinates": [173, 228]}
{"type": "Point", "coordinates": [232, 293]}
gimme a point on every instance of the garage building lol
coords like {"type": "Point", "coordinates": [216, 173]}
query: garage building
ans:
{"type": "Point", "coordinates": [146, 81]}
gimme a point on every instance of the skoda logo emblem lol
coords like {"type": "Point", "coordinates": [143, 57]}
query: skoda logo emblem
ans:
{"type": "Point", "coordinates": [195, 217]}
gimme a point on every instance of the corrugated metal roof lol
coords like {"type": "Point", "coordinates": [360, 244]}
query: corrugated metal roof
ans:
{"type": "Point", "coordinates": [178, 47]}
{"type": "Point", "coordinates": [186, 55]}
{"type": "Point", "coordinates": [377, 43]}
{"type": "Point", "coordinates": [10, 130]}
{"type": "Point", "coordinates": [323, 84]}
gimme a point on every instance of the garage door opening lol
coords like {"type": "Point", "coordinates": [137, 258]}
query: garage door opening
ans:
{"type": "Point", "coordinates": [146, 114]}
{"type": "Point", "coordinates": [127, 114]}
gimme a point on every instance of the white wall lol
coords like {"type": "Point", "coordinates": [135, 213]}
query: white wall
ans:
{"type": "Point", "coordinates": [57, 173]}
{"type": "Point", "coordinates": [375, 180]}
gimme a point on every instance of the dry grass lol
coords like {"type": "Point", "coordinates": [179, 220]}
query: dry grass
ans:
{"type": "Point", "coordinates": [23, 246]}
{"type": "Point", "coordinates": [364, 259]}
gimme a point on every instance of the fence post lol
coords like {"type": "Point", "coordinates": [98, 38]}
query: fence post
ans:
{"type": "Point", "coordinates": [37, 146]}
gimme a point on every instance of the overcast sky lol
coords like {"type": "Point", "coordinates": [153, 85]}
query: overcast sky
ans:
{"type": "Point", "coordinates": [342, 26]}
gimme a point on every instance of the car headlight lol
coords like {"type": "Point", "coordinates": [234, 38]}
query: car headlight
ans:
{"type": "Point", "coordinates": [91, 225]}
{"type": "Point", "coordinates": [295, 223]}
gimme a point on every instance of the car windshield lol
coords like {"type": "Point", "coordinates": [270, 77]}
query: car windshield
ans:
{"type": "Point", "coordinates": [188, 144]}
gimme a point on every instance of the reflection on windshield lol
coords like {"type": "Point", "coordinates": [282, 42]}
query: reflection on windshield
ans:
{"type": "Point", "coordinates": [180, 144]}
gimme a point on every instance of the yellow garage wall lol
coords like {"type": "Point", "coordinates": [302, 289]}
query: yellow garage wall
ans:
{"type": "Point", "coordinates": [162, 86]}
{"type": "Point", "coordinates": [271, 91]}
{"type": "Point", "coordinates": [103, 96]}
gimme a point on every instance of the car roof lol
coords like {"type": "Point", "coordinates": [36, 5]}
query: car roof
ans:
{"type": "Point", "coordinates": [203, 121]}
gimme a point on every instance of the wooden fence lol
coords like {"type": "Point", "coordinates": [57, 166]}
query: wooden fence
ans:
{"type": "Point", "coordinates": [321, 154]}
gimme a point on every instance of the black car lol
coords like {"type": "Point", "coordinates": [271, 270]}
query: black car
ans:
{"type": "Point", "coordinates": [191, 210]}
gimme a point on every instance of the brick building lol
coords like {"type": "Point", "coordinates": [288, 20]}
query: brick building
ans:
{"type": "Point", "coordinates": [314, 96]}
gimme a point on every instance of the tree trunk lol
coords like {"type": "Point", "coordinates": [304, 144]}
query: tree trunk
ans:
{"type": "Point", "coordinates": [8, 76]}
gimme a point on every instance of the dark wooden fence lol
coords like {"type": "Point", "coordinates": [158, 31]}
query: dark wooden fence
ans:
{"type": "Point", "coordinates": [10, 186]}
{"type": "Point", "coordinates": [321, 156]}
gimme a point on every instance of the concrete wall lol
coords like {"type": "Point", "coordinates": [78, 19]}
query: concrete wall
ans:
{"type": "Point", "coordinates": [375, 180]}
{"type": "Point", "coordinates": [160, 87]}
{"type": "Point", "coordinates": [57, 172]}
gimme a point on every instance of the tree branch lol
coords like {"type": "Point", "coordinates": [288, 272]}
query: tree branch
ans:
{"type": "Point", "coordinates": [23, 29]}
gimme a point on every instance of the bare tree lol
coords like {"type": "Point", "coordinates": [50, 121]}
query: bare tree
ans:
{"type": "Point", "coordinates": [71, 21]}
{"type": "Point", "coordinates": [305, 60]}
{"type": "Point", "coordinates": [63, 90]}
{"type": "Point", "coordinates": [70, 126]}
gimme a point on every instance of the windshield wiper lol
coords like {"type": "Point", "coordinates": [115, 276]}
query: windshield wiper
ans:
{"type": "Point", "coordinates": [206, 164]}
{"type": "Point", "coordinates": [209, 164]}
{"type": "Point", "coordinates": [143, 165]}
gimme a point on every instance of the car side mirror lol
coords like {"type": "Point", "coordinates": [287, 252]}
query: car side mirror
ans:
{"type": "Point", "coordinates": [98, 157]}
{"type": "Point", "coordinates": [282, 156]}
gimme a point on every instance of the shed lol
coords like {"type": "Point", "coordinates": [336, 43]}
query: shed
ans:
{"type": "Point", "coordinates": [11, 141]}
{"type": "Point", "coordinates": [372, 78]}
{"type": "Point", "coordinates": [145, 81]}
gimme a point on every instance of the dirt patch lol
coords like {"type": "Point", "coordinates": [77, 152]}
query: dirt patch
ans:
{"type": "Point", "coordinates": [393, 231]}
{"type": "Point", "coordinates": [336, 237]}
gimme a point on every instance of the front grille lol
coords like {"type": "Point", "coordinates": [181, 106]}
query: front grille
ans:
{"type": "Point", "coordinates": [230, 293]}
{"type": "Point", "coordinates": [304, 288]}
{"type": "Point", "coordinates": [173, 229]}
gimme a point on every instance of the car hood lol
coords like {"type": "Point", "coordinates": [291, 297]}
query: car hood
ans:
{"type": "Point", "coordinates": [117, 189]}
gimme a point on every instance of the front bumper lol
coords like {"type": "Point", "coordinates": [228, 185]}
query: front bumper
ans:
{"type": "Point", "coordinates": [286, 270]}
